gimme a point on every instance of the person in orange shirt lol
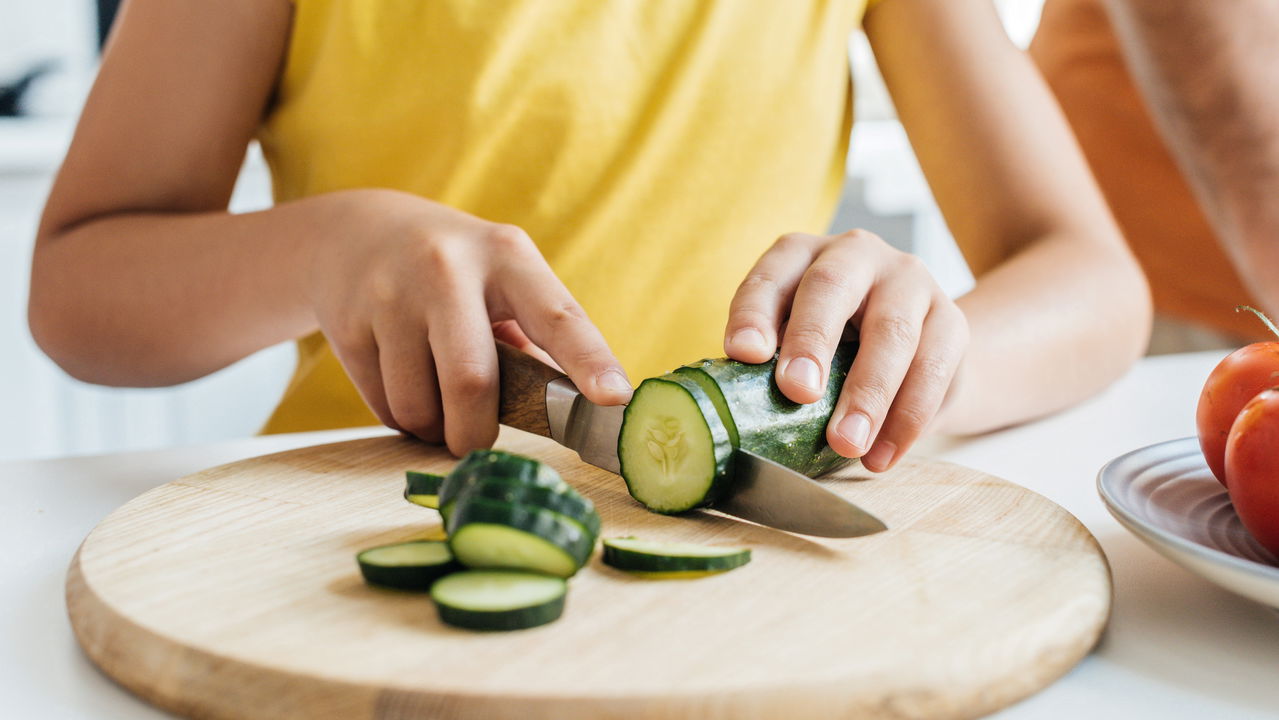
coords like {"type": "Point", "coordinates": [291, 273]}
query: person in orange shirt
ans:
{"type": "Point", "coordinates": [559, 172]}
{"type": "Point", "coordinates": [1174, 103]}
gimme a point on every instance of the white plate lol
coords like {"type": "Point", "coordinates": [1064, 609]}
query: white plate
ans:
{"type": "Point", "coordinates": [1166, 495]}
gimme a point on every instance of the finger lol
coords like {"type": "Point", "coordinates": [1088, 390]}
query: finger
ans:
{"type": "Point", "coordinates": [461, 339]}
{"type": "Point", "coordinates": [556, 322]}
{"type": "Point", "coordinates": [831, 290]}
{"type": "Point", "coordinates": [510, 332]}
{"type": "Point", "coordinates": [408, 376]}
{"type": "Point", "coordinates": [360, 360]}
{"type": "Point", "coordinates": [760, 303]}
{"type": "Point", "coordinates": [941, 348]}
{"type": "Point", "coordinates": [889, 336]}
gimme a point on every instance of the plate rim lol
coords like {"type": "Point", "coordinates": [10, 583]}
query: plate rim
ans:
{"type": "Point", "coordinates": [1132, 523]}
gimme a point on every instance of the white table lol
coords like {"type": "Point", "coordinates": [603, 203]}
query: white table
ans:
{"type": "Point", "coordinates": [1177, 646]}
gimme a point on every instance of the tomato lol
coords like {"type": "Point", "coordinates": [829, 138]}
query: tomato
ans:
{"type": "Point", "coordinates": [1236, 380]}
{"type": "Point", "coordinates": [1252, 464]}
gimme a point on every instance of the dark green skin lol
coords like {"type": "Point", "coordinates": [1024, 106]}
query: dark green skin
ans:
{"type": "Point", "coordinates": [559, 531]}
{"type": "Point", "coordinates": [416, 578]}
{"type": "Point", "coordinates": [567, 501]}
{"type": "Point", "coordinates": [480, 464]}
{"type": "Point", "coordinates": [766, 422]}
{"type": "Point", "coordinates": [633, 561]}
{"type": "Point", "coordinates": [720, 439]}
{"type": "Point", "coordinates": [421, 483]}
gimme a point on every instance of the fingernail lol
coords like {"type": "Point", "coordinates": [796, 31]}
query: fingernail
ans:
{"type": "Point", "coordinates": [855, 428]}
{"type": "Point", "coordinates": [805, 372]}
{"type": "Point", "coordinates": [880, 455]}
{"type": "Point", "coordinates": [749, 339]}
{"type": "Point", "coordinates": [614, 380]}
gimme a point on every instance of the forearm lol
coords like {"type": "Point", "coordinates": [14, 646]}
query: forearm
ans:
{"type": "Point", "coordinates": [1206, 71]}
{"type": "Point", "coordinates": [146, 299]}
{"type": "Point", "coordinates": [1050, 327]}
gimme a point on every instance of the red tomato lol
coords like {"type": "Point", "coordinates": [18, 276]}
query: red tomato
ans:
{"type": "Point", "coordinates": [1252, 464]}
{"type": "Point", "coordinates": [1236, 380]}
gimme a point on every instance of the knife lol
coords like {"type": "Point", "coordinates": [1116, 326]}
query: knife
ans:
{"type": "Point", "coordinates": [539, 399]}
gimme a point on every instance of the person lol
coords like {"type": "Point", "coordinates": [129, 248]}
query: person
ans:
{"type": "Point", "coordinates": [559, 172]}
{"type": "Point", "coordinates": [1173, 102]}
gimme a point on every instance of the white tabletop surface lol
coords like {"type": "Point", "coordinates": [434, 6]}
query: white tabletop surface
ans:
{"type": "Point", "coordinates": [1177, 646]}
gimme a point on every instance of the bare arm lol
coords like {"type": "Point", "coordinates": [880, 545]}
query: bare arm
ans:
{"type": "Point", "coordinates": [1061, 308]}
{"type": "Point", "coordinates": [1207, 73]}
{"type": "Point", "coordinates": [142, 277]}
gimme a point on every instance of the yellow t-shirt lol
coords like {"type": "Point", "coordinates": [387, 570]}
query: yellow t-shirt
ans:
{"type": "Point", "coordinates": [653, 149]}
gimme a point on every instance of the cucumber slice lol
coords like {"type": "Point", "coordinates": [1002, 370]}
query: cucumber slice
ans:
{"type": "Point", "coordinates": [407, 565]}
{"type": "Point", "coordinates": [486, 533]}
{"type": "Point", "coordinates": [674, 450]}
{"type": "Point", "coordinates": [422, 488]}
{"type": "Point", "coordinates": [632, 554]}
{"type": "Point", "coordinates": [566, 502]}
{"type": "Point", "coordinates": [483, 464]}
{"type": "Point", "coordinates": [761, 419]}
{"type": "Point", "coordinates": [499, 599]}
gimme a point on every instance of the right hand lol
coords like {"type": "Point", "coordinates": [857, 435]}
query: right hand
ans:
{"type": "Point", "coordinates": [412, 308]}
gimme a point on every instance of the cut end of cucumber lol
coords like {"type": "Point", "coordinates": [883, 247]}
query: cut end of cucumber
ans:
{"type": "Point", "coordinates": [418, 552]}
{"type": "Point", "coordinates": [430, 501]}
{"type": "Point", "coordinates": [499, 599]}
{"type": "Point", "coordinates": [406, 566]}
{"type": "Point", "coordinates": [491, 545]}
{"type": "Point", "coordinates": [669, 457]}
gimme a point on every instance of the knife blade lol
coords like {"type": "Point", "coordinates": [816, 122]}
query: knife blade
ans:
{"type": "Point", "coordinates": [762, 491]}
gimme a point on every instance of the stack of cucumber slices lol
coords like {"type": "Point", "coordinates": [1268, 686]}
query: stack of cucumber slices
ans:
{"type": "Point", "coordinates": [680, 430]}
{"type": "Point", "coordinates": [516, 533]}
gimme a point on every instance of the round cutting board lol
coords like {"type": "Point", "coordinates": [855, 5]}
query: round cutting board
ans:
{"type": "Point", "coordinates": [234, 593]}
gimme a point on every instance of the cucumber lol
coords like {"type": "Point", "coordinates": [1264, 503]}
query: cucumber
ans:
{"type": "Point", "coordinates": [499, 599]}
{"type": "Point", "coordinates": [566, 502]}
{"type": "Point", "coordinates": [674, 450]}
{"type": "Point", "coordinates": [422, 488]}
{"type": "Point", "coordinates": [632, 554]}
{"type": "Point", "coordinates": [486, 533]}
{"type": "Point", "coordinates": [761, 419]}
{"type": "Point", "coordinates": [483, 464]}
{"type": "Point", "coordinates": [407, 565]}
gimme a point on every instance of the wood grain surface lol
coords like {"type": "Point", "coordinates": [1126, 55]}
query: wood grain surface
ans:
{"type": "Point", "coordinates": [234, 593]}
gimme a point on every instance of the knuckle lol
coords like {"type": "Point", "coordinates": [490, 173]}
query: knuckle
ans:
{"type": "Point", "coordinates": [874, 394]}
{"type": "Point", "coordinates": [828, 278]}
{"type": "Point", "coordinates": [509, 238]}
{"type": "Point", "coordinates": [421, 421]}
{"type": "Point", "coordinates": [564, 313]}
{"type": "Point", "coordinates": [913, 264]}
{"type": "Point", "coordinates": [934, 371]}
{"type": "Point", "coordinates": [909, 420]}
{"type": "Point", "coordinates": [471, 378]}
{"type": "Point", "coordinates": [759, 283]}
{"type": "Point", "coordinates": [348, 336]}
{"type": "Point", "coordinates": [895, 329]}
{"type": "Point", "coordinates": [860, 238]}
{"type": "Point", "coordinates": [810, 335]}
{"type": "Point", "coordinates": [793, 240]}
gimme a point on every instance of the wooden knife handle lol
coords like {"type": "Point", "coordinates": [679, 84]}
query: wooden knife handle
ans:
{"type": "Point", "coordinates": [523, 393]}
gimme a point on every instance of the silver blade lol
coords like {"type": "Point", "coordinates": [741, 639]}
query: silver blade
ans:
{"type": "Point", "coordinates": [763, 491]}
{"type": "Point", "coordinates": [581, 425]}
{"type": "Point", "coordinates": [771, 494]}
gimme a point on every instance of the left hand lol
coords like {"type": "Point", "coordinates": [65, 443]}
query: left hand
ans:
{"type": "Point", "coordinates": [912, 336]}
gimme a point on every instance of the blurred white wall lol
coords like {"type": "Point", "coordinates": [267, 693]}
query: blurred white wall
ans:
{"type": "Point", "coordinates": [44, 413]}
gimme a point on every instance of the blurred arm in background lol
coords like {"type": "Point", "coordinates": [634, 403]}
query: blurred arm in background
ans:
{"type": "Point", "coordinates": [1207, 71]}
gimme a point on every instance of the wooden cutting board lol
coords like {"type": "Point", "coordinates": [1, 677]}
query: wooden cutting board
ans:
{"type": "Point", "coordinates": [234, 593]}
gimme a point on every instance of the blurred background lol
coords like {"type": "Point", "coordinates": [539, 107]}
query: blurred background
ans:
{"type": "Point", "coordinates": [48, 56]}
